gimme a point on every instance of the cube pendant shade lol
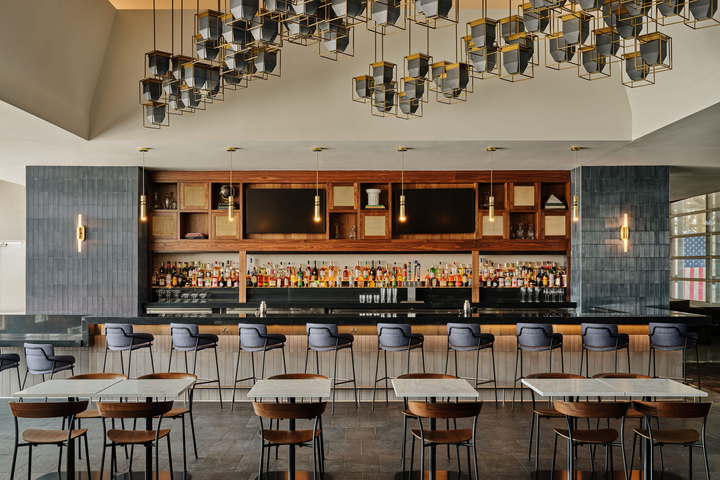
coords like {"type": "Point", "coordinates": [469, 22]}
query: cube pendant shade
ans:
{"type": "Point", "coordinates": [703, 9]}
{"type": "Point", "coordinates": [483, 32]}
{"type": "Point", "coordinates": [436, 8]}
{"type": "Point", "coordinates": [266, 32]}
{"type": "Point", "coordinates": [511, 25]}
{"type": "Point", "coordinates": [265, 62]}
{"type": "Point", "coordinates": [363, 85]}
{"type": "Point", "coordinates": [559, 49]}
{"type": "Point", "coordinates": [635, 66]}
{"type": "Point", "coordinates": [418, 65]}
{"type": "Point", "coordinates": [209, 24]}
{"type": "Point", "coordinates": [383, 72]}
{"type": "Point", "coordinates": [484, 60]}
{"type": "Point", "coordinates": [385, 12]}
{"type": "Point", "coordinates": [607, 41]}
{"type": "Point", "coordinates": [195, 75]}
{"type": "Point", "coordinates": [592, 61]}
{"type": "Point", "coordinates": [155, 114]}
{"type": "Point", "coordinates": [158, 62]}
{"type": "Point", "coordinates": [152, 90]}
{"type": "Point", "coordinates": [536, 20]}
{"type": "Point", "coordinates": [348, 8]}
{"type": "Point", "coordinates": [576, 27]}
{"type": "Point", "coordinates": [413, 88]}
{"type": "Point", "coordinates": [177, 66]}
{"type": "Point", "coordinates": [244, 9]}
{"type": "Point", "coordinates": [515, 59]}
{"type": "Point", "coordinates": [206, 49]}
{"type": "Point", "coordinates": [654, 48]}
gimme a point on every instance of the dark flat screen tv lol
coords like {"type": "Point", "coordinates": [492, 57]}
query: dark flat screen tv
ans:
{"type": "Point", "coordinates": [442, 210]}
{"type": "Point", "coordinates": [282, 210]}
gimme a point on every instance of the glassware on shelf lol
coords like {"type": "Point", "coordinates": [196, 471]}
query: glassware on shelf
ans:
{"type": "Point", "coordinates": [376, 298]}
{"type": "Point", "coordinates": [520, 232]}
{"type": "Point", "coordinates": [176, 293]}
{"type": "Point", "coordinates": [530, 232]}
{"type": "Point", "coordinates": [383, 295]}
{"type": "Point", "coordinates": [194, 297]}
{"type": "Point", "coordinates": [353, 233]}
{"type": "Point", "coordinates": [523, 294]}
{"type": "Point", "coordinates": [156, 204]}
{"type": "Point", "coordinates": [161, 296]}
{"type": "Point", "coordinates": [185, 298]}
{"type": "Point", "coordinates": [168, 200]}
{"type": "Point", "coordinates": [537, 294]}
{"type": "Point", "coordinates": [361, 298]}
{"type": "Point", "coordinates": [203, 297]}
{"type": "Point", "coordinates": [337, 231]}
{"type": "Point", "coordinates": [173, 204]}
{"type": "Point", "coordinates": [394, 295]}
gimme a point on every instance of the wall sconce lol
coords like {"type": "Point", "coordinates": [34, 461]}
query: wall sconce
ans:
{"type": "Point", "coordinates": [80, 233]}
{"type": "Point", "coordinates": [624, 233]}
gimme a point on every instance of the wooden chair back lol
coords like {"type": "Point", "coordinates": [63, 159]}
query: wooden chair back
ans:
{"type": "Point", "coordinates": [430, 376]}
{"type": "Point", "coordinates": [134, 410]}
{"type": "Point", "coordinates": [288, 411]}
{"type": "Point", "coordinates": [47, 410]}
{"type": "Point", "coordinates": [168, 376]}
{"type": "Point", "coordinates": [673, 409]}
{"type": "Point", "coordinates": [592, 409]}
{"type": "Point", "coordinates": [554, 376]}
{"type": "Point", "coordinates": [298, 376]}
{"type": "Point", "coordinates": [445, 410]}
{"type": "Point", "coordinates": [620, 375]}
{"type": "Point", "coordinates": [99, 376]}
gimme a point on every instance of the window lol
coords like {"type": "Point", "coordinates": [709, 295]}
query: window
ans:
{"type": "Point", "coordinates": [695, 248]}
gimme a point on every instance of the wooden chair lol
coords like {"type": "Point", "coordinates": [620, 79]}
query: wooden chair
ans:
{"type": "Point", "coordinates": [93, 412]}
{"type": "Point", "coordinates": [34, 437]}
{"type": "Point", "coordinates": [134, 437]}
{"type": "Point", "coordinates": [606, 437]}
{"type": "Point", "coordinates": [547, 413]}
{"type": "Point", "coordinates": [687, 437]}
{"type": "Point", "coordinates": [407, 414]}
{"type": "Point", "coordinates": [179, 412]}
{"type": "Point", "coordinates": [461, 437]}
{"type": "Point", "coordinates": [305, 438]}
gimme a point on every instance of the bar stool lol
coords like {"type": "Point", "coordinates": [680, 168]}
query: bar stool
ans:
{"type": "Point", "coordinates": [687, 437]}
{"type": "Point", "coordinates": [606, 437]}
{"type": "Point", "coordinates": [600, 337]}
{"type": "Point", "coordinates": [147, 438]}
{"type": "Point", "coordinates": [34, 437]}
{"type": "Point", "coordinates": [254, 338]}
{"type": "Point", "coordinates": [187, 338]}
{"type": "Point", "coordinates": [325, 338]}
{"type": "Point", "coordinates": [546, 413]}
{"type": "Point", "coordinates": [180, 413]}
{"type": "Point", "coordinates": [8, 361]}
{"type": "Point", "coordinates": [535, 337]}
{"type": "Point", "coordinates": [120, 337]}
{"type": "Point", "coordinates": [40, 359]}
{"type": "Point", "coordinates": [464, 337]}
{"type": "Point", "coordinates": [395, 337]}
{"type": "Point", "coordinates": [302, 438]}
{"type": "Point", "coordinates": [673, 337]}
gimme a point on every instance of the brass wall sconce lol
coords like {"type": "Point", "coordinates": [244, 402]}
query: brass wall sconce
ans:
{"type": "Point", "coordinates": [80, 233]}
{"type": "Point", "coordinates": [624, 233]}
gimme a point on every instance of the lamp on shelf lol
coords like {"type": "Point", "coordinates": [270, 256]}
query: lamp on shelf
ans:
{"type": "Point", "coordinates": [231, 196]}
{"type": "Point", "coordinates": [402, 151]}
{"type": "Point", "coordinates": [317, 216]}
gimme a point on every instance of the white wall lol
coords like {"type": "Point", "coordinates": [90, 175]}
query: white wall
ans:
{"type": "Point", "coordinates": [12, 255]}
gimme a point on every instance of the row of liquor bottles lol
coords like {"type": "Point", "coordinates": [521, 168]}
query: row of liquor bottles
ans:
{"type": "Point", "coordinates": [368, 275]}
{"type": "Point", "coordinates": [518, 275]}
{"type": "Point", "coordinates": [270, 275]}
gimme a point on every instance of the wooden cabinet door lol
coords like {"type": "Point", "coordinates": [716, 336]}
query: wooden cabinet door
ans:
{"type": "Point", "coordinates": [194, 196]}
{"type": "Point", "coordinates": [163, 226]}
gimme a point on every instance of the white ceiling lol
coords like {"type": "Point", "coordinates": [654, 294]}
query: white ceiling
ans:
{"type": "Point", "coordinates": [83, 110]}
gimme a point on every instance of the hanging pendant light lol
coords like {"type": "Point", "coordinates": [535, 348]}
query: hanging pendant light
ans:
{"type": "Point", "coordinates": [317, 151]}
{"type": "Point", "coordinates": [491, 200]}
{"type": "Point", "coordinates": [231, 197]}
{"type": "Point", "coordinates": [402, 151]}
{"type": "Point", "coordinates": [576, 209]}
{"type": "Point", "coordinates": [143, 197]}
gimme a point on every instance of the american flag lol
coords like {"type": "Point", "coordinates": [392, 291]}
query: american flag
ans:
{"type": "Point", "coordinates": [692, 268]}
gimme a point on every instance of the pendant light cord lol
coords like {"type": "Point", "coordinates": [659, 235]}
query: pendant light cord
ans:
{"type": "Point", "coordinates": [576, 169]}
{"type": "Point", "coordinates": [143, 175]}
{"type": "Point", "coordinates": [402, 174]}
{"type": "Point", "coordinates": [154, 40]}
{"type": "Point", "coordinates": [317, 173]}
{"type": "Point", "coordinates": [491, 171]}
{"type": "Point", "coordinates": [231, 168]}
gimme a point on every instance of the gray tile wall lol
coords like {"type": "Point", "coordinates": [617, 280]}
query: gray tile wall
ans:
{"type": "Point", "coordinates": [601, 273]}
{"type": "Point", "coordinates": [104, 277]}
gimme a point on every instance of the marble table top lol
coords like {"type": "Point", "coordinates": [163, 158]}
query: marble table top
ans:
{"type": "Point", "coordinates": [572, 387]}
{"type": "Point", "coordinates": [653, 387]}
{"type": "Point", "coordinates": [426, 387]}
{"type": "Point", "coordinates": [168, 388]}
{"type": "Point", "coordinates": [316, 387]}
{"type": "Point", "coordinates": [57, 388]}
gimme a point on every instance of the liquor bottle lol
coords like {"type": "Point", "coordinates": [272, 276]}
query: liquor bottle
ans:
{"type": "Point", "coordinates": [293, 277]}
{"type": "Point", "coordinates": [168, 275]}
{"type": "Point", "coordinates": [464, 280]}
{"type": "Point", "coordinates": [300, 275]}
{"type": "Point", "coordinates": [154, 278]}
{"type": "Point", "coordinates": [271, 279]}
{"type": "Point", "coordinates": [545, 277]}
{"type": "Point", "coordinates": [469, 272]}
{"type": "Point", "coordinates": [346, 275]}
{"type": "Point", "coordinates": [314, 275]}
{"type": "Point", "coordinates": [174, 281]}
{"type": "Point", "coordinates": [161, 281]}
{"type": "Point", "coordinates": [221, 280]}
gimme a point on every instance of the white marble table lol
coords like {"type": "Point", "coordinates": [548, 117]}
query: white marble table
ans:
{"type": "Point", "coordinates": [431, 389]}
{"type": "Point", "coordinates": [571, 387]}
{"type": "Point", "coordinates": [292, 390]}
{"type": "Point", "coordinates": [148, 389]}
{"type": "Point", "coordinates": [59, 388]}
{"type": "Point", "coordinates": [653, 387]}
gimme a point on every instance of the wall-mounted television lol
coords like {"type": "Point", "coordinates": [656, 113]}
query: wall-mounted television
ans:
{"type": "Point", "coordinates": [282, 210]}
{"type": "Point", "coordinates": [441, 210]}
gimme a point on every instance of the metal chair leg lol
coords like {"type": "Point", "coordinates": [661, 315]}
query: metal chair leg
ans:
{"type": "Point", "coordinates": [235, 382]}
{"type": "Point", "coordinates": [517, 355]}
{"type": "Point", "coordinates": [377, 368]}
{"type": "Point", "coordinates": [352, 360]}
{"type": "Point", "coordinates": [217, 369]}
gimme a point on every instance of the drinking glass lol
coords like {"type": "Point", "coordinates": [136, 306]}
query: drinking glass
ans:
{"type": "Point", "coordinates": [185, 298]}
{"type": "Point", "coordinates": [394, 295]}
{"type": "Point", "coordinates": [161, 296]}
{"type": "Point", "coordinates": [362, 298]}
{"type": "Point", "coordinates": [383, 295]}
{"type": "Point", "coordinates": [177, 292]}
{"type": "Point", "coordinates": [203, 297]}
{"type": "Point", "coordinates": [523, 294]}
{"type": "Point", "coordinates": [537, 294]}
{"type": "Point", "coordinates": [377, 298]}
{"type": "Point", "coordinates": [194, 297]}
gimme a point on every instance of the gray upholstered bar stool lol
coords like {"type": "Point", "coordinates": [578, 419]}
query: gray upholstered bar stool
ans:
{"type": "Point", "coordinates": [253, 337]}
{"type": "Point", "coordinates": [466, 337]}
{"type": "Point", "coordinates": [8, 361]}
{"type": "Point", "coordinates": [40, 359]}
{"type": "Point", "coordinates": [396, 337]}
{"type": "Point", "coordinates": [601, 337]}
{"type": "Point", "coordinates": [535, 337]}
{"type": "Point", "coordinates": [187, 338]}
{"type": "Point", "coordinates": [325, 338]}
{"type": "Point", "coordinates": [672, 337]}
{"type": "Point", "coordinates": [120, 337]}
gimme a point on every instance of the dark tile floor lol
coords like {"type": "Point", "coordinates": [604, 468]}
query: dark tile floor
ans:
{"type": "Point", "coordinates": [360, 444]}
